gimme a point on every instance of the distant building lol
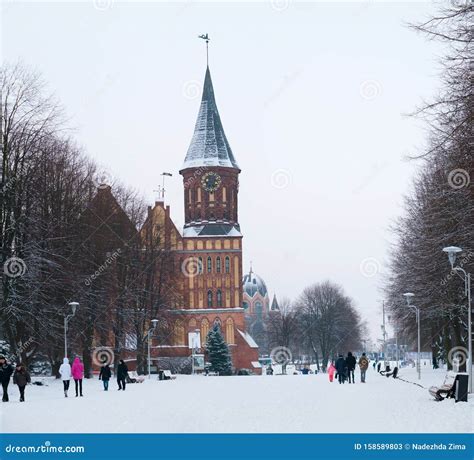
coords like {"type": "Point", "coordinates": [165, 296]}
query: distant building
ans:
{"type": "Point", "coordinates": [256, 303]}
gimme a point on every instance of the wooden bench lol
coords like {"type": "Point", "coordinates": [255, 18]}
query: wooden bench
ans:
{"type": "Point", "coordinates": [166, 375]}
{"type": "Point", "coordinates": [446, 390]}
{"type": "Point", "coordinates": [133, 377]}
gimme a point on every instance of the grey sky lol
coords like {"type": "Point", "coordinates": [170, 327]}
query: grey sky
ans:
{"type": "Point", "coordinates": [311, 96]}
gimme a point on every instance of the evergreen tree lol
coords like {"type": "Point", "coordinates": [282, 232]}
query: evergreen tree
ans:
{"type": "Point", "coordinates": [218, 352]}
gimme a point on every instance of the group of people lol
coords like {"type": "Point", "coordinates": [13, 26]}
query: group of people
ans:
{"type": "Point", "coordinates": [21, 378]}
{"type": "Point", "coordinates": [76, 371]}
{"type": "Point", "coordinates": [344, 368]}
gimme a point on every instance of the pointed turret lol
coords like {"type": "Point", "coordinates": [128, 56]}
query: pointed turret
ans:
{"type": "Point", "coordinates": [209, 145]}
{"type": "Point", "coordinates": [275, 306]}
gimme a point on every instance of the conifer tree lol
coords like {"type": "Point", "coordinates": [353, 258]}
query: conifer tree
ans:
{"type": "Point", "coordinates": [218, 352]}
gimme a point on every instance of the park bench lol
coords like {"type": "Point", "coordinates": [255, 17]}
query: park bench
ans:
{"type": "Point", "coordinates": [133, 377]}
{"type": "Point", "coordinates": [166, 375]}
{"type": "Point", "coordinates": [447, 389]}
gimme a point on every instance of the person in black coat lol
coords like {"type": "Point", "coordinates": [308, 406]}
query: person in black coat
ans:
{"type": "Point", "coordinates": [122, 372]}
{"type": "Point", "coordinates": [21, 377]}
{"type": "Point", "coordinates": [341, 368]}
{"type": "Point", "coordinates": [351, 365]}
{"type": "Point", "coordinates": [104, 375]}
{"type": "Point", "coordinates": [6, 370]}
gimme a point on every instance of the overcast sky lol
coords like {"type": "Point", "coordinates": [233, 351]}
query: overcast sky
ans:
{"type": "Point", "coordinates": [312, 97]}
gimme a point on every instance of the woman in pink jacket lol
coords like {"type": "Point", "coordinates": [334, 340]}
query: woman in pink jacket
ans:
{"type": "Point", "coordinates": [331, 371]}
{"type": "Point", "coordinates": [77, 371]}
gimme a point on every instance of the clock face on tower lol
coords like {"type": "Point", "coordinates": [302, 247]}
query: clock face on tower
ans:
{"type": "Point", "coordinates": [211, 181]}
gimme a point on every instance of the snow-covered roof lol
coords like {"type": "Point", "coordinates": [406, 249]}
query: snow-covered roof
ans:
{"type": "Point", "coordinates": [247, 337]}
{"type": "Point", "coordinates": [256, 365]}
{"type": "Point", "coordinates": [209, 145]}
{"type": "Point", "coordinates": [214, 229]}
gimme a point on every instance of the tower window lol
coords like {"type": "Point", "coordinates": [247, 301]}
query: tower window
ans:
{"type": "Point", "coordinates": [219, 298]}
{"type": "Point", "coordinates": [209, 299]}
{"type": "Point", "coordinates": [218, 265]}
{"type": "Point", "coordinates": [209, 265]}
{"type": "Point", "coordinates": [227, 265]}
{"type": "Point", "coordinates": [200, 265]}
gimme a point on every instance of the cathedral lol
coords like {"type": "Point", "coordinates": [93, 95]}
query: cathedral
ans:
{"type": "Point", "coordinates": [209, 249]}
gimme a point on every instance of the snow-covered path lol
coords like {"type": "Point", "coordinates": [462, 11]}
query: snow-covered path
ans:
{"type": "Point", "coordinates": [293, 403]}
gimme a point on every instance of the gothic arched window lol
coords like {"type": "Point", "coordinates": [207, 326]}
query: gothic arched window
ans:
{"type": "Point", "coordinates": [219, 298]}
{"type": "Point", "coordinates": [204, 330]}
{"type": "Point", "coordinates": [218, 265]}
{"type": "Point", "coordinates": [209, 299]}
{"type": "Point", "coordinates": [227, 264]}
{"type": "Point", "coordinates": [199, 265]}
{"type": "Point", "coordinates": [229, 331]}
{"type": "Point", "coordinates": [209, 265]}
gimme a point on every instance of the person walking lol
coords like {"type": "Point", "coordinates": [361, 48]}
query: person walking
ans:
{"type": "Point", "coordinates": [6, 370]}
{"type": "Point", "coordinates": [77, 371]}
{"type": "Point", "coordinates": [104, 375]}
{"type": "Point", "coordinates": [21, 377]}
{"type": "Point", "coordinates": [341, 368]}
{"type": "Point", "coordinates": [331, 371]}
{"type": "Point", "coordinates": [351, 365]}
{"type": "Point", "coordinates": [65, 372]}
{"type": "Point", "coordinates": [122, 372]}
{"type": "Point", "coordinates": [364, 365]}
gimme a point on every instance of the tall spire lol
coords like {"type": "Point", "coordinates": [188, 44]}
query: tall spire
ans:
{"type": "Point", "coordinates": [209, 145]}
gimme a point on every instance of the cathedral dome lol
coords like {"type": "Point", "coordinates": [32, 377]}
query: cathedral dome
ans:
{"type": "Point", "coordinates": [252, 284]}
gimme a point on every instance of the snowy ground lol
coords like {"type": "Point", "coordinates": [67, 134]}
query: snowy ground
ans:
{"type": "Point", "coordinates": [292, 403]}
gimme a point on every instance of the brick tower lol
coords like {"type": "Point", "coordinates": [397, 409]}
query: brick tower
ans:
{"type": "Point", "coordinates": [211, 259]}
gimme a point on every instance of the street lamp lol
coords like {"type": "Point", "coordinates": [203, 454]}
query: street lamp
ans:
{"type": "Point", "coordinates": [67, 318]}
{"type": "Point", "coordinates": [452, 252]}
{"type": "Point", "coordinates": [409, 296]}
{"type": "Point", "coordinates": [154, 322]}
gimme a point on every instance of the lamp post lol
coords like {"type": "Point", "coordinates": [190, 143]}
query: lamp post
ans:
{"type": "Point", "coordinates": [67, 318]}
{"type": "Point", "coordinates": [154, 322]}
{"type": "Point", "coordinates": [409, 296]}
{"type": "Point", "coordinates": [452, 252]}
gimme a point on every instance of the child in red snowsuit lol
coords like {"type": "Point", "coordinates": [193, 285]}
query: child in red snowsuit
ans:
{"type": "Point", "coordinates": [331, 372]}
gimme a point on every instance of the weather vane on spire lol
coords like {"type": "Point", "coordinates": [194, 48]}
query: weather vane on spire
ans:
{"type": "Point", "coordinates": [206, 37]}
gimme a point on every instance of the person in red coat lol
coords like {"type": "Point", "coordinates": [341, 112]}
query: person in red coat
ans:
{"type": "Point", "coordinates": [77, 371]}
